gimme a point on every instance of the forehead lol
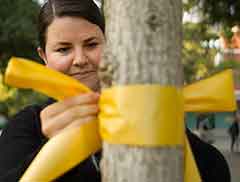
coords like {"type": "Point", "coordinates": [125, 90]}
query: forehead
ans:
{"type": "Point", "coordinates": [71, 28]}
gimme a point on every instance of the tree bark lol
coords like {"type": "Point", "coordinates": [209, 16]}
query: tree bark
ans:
{"type": "Point", "coordinates": [144, 41]}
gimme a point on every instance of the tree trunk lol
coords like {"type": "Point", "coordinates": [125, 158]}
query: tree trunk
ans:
{"type": "Point", "coordinates": [144, 41]}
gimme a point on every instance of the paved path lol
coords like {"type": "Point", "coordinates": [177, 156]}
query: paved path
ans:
{"type": "Point", "coordinates": [233, 160]}
{"type": "Point", "coordinates": [222, 142]}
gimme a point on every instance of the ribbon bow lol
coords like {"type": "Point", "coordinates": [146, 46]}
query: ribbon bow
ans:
{"type": "Point", "coordinates": [121, 118]}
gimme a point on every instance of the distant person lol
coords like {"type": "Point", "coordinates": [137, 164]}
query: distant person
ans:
{"type": "Point", "coordinates": [207, 119]}
{"type": "Point", "coordinates": [234, 132]}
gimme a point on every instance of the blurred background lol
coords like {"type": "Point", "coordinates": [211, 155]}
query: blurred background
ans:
{"type": "Point", "coordinates": [211, 44]}
{"type": "Point", "coordinates": [18, 37]}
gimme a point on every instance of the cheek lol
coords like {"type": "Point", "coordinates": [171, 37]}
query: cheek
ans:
{"type": "Point", "coordinates": [97, 56]}
{"type": "Point", "coordinates": [59, 63]}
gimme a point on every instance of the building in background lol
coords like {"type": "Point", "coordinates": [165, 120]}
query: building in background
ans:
{"type": "Point", "coordinates": [230, 51]}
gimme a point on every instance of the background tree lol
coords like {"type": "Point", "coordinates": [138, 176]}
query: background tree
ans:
{"type": "Point", "coordinates": [199, 50]}
{"type": "Point", "coordinates": [216, 11]}
{"type": "Point", "coordinates": [198, 56]}
{"type": "Point", "coordinates": [18, 37]}
{"type": "Point", "coordinates": [18, 25]}
{"type": "Point", "coordinates": [143, 47]}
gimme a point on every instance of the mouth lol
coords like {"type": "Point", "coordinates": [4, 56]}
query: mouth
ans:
{"type": "Point", "coordinates": [82, 73]}
{"type": "Point", "coordinates": [85, 76]}
{"type": "Point", "coordinates": [90, 79]}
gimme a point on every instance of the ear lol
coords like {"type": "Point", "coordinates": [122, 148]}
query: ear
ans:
{"type": "Point", "coordinates": [42, 54]}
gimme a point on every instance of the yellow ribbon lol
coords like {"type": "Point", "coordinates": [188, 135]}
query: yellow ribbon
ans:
{"type": "Point", "coordinates": [148, 115]}
{"type": "Point", "coordinates": [215, 94]}
{"type": "Point", "coordinates": [144, 115]}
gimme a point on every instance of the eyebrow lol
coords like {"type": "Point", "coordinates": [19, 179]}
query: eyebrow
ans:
{"type": "Point", "coordinates": [86, 40]}
{"type": "Point", "coordinates": [91, 39]}
{"type": "Point", "coordinates": [64, 43]}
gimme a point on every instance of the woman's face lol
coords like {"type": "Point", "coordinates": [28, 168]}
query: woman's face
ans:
{"type": "Point", "coordinates": [74, 46]}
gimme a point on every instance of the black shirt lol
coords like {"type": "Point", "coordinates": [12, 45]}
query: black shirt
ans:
{"type": "Point", "coordinates": [22, 139]}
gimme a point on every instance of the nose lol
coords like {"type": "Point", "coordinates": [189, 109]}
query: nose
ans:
{"type": "Point", "coordinates": [80, 58]}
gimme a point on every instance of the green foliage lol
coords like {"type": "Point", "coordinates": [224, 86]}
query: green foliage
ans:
{"type": "Point", "coordinates": [224, 12]}
{"type": "Point", "coordinates": [18, 37]}
{"type": "Point", "coordinates": [221, 11]}
{"type": "Point", "coordinates": [18, 23]}
{"type": "Point", "coordinates": [227, 32]}
{"type": "Point", "coordinates": [197, 59]}
{"type": "Point", "coordinates": [19, 100]}
{"type": "Point", "coordinates": [226, 64]}
{"type": "Point", "coordinates": [188, 4]}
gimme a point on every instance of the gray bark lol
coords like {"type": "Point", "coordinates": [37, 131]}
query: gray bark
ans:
{"type": "Point", "coordinates": [144, 40]}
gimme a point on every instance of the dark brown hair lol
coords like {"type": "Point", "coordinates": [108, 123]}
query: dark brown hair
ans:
{"type": "Point", "coordinates": [86, 9]}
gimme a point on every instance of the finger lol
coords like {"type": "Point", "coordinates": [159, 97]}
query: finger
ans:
{"type": "Point", "coordinates": [61, 106]}
{"type": "Point", "coordinates": [77, 123]}
{"type": "Point", "coordinates": [64, 119]}
{"type": "Point", "coordinates": [77, 112]}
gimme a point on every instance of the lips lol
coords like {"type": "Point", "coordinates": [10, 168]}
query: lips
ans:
{"type": "Point", "coordinates": [82, 72]}
{"type": "Point", "coordinates": [83, 75]}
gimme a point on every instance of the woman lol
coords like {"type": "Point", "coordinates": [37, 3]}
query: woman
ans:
{"type": "Point", "coordinates": [71, 35]}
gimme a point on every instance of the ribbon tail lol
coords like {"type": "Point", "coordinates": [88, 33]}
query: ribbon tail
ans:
{"type": "Point", "coordinates": [66, 150]}
{"type": "Point", "coordinates": [191, 169]}
{"type": "Point", "coordinates": [63, 152]}
{"type": "Point", "coordinates": [19, 73]}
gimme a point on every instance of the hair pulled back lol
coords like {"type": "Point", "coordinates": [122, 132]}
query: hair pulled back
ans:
{"type": "Point", "coordinates": [86, 9]}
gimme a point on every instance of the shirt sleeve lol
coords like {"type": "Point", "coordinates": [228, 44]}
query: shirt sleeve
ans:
{"type": "Point", "coordinates": [20, 142]}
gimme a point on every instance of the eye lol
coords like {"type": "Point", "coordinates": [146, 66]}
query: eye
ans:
{"type": "Point", "coordinates": [63, 49]}
{"type": "Point", "coordinates": [92, 44]}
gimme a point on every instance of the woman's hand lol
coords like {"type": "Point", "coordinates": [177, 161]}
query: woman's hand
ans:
{"type": "Point", "coordinates": [69, 113]}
